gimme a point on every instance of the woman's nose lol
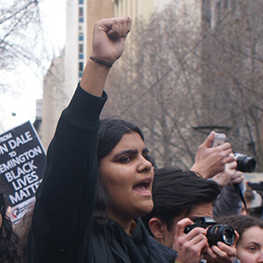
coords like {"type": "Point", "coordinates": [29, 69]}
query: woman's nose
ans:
{"type": "Point", "coordinates": [145, 165]}
{"type": "Point", "coordinates": [261, 257]}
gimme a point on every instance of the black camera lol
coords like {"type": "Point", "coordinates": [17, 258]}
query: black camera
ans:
{"type": "Point", "coordinates": [245, 163]}
{"type": "Point", "coordinates": [215, 232]}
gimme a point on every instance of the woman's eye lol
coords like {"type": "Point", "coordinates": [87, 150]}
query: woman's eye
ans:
{"type": "Point", "coordinates": [252, 249]}
{"type": "Point", "coordinates": [125, 159]}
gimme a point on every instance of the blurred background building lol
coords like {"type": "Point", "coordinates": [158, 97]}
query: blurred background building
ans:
{"type": "Point", "coordinates": [66, 71]}
{"type": "Point", "coordinates": [207, 49]}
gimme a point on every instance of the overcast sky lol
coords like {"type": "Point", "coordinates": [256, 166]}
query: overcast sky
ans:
{"type": "Point", "coordinates": [19, 107]}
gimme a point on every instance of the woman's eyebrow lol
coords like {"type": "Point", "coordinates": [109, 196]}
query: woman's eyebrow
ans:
{"type": "Point", "coordinates": [254, 243]}
{"type": "Point", "coordinates": [132, 152]}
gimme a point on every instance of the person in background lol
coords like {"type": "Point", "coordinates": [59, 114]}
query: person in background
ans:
{"type": "Point", "coordinates": [180, 197]}
{"type": "Point", "coordinates": [219, 164]}
{"type": "Point", "coordinates": [255, 205]}
{"type": "Point", "coordinates": [9, 250]}
{"type": "Point", "coordinates": [22, 229]}
{"type": "Point", "coordinates": [250, 243]}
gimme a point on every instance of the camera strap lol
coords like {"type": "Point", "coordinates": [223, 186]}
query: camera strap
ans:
{"type": "Point", "coordinates": [240, 194]}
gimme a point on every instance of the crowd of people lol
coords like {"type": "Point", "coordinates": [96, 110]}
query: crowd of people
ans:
{"type": "Point", "coordinates": [102, 198]}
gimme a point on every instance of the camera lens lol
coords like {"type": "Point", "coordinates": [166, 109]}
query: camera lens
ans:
{"type": "Point", "coordinates": [245, 163]}
{"type": "Point", "coordinates": [249, 164]}
{"type": "Point", "coordinates": [223, 233]}
{"type": "Point", "coordinates": [228, 236]}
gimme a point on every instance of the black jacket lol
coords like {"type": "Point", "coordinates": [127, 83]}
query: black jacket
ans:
{"type": "Point", "coordinates": [62, 223]}
{"type": "Point", "coordinates": [117, 246]}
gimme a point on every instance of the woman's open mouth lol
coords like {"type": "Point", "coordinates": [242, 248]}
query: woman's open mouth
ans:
{"type": "Point", "coordinates": [143, 187]}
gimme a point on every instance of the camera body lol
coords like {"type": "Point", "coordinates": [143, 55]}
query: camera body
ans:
{"type": "Point", "coordinates": [245, 163]}
{"type": "Point", "coordinates": [215, 232]}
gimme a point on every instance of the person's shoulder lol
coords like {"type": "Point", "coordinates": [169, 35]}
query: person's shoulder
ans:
{"type": "Point", "coordinates": [162, 251]}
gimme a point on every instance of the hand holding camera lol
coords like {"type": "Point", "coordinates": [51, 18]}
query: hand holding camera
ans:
{"type": "Point", "coordinates": [190, 246]}
{"type": "Point", "coordinates": [233, 172]}
{"type": "Point", "coordinates": [199, 238]}
{"type": "Point", "coordinates": [215, 232]}
{"type": "Point", "coordinates": [221, 239]}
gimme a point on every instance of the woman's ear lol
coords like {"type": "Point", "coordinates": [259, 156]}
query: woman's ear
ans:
{"type": "Point", "coordinates": [157, 228]}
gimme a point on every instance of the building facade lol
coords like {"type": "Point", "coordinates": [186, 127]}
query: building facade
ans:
{"type": "Point", "coordinates": [80, 18]}
{"type": "Point", "coordinates": [53, 101]}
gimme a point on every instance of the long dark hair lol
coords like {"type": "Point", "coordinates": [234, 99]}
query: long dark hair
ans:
{"type": "Point", "coordinates": [9, 251]}
{"type": "Point", "coordinates": [110, 133]}
{"type": "Point", "coordinates": [22, 229]}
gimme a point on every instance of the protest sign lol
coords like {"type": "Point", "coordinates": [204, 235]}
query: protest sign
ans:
{"type": "Point", "coordinates": [22, 160]}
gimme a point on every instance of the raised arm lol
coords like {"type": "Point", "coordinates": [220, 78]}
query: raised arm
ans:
{"type": "Point", "coordinates": [108, 44]}
{"type": "Point", "coordinates": [62, 219]}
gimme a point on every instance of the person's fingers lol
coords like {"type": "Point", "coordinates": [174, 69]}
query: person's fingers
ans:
{"type": "Point", "coordinates": [223, 250]}
{"type": "Point", "coordinates": [230, 159]}
{"type": "Point", "coordinates": [236, 238]}
{"type": "Point", "coordinates": [180, 226]}
{"type": "Point", "coordinates": [218, 252]}
{"type": "Point", "coordinates": [210, 255]}
{"type": "Point", "coordinates": [238, 174]}
{"type": "Point", "coordinates": [109, 38]}
{"type": "Point", "coordinates": [209, 139]}
{"type": "Point", "coordinates": [196, 231]}
{"type": "Point", "coordinates": [230, 165]}
{"type": "Point", "coordinates": [237, 177]}
{"type": "Point", "coordinates": [119, 27]}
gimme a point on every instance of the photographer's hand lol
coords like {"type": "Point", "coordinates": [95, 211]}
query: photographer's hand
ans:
{"type": "Point", "coordinates": [190, 246]}
{"type": "Point", "coordinates": [211, 160]}
{"type": "Point", "coordinates": [229, 176]}
{"type": "Point", "coordinates": [225, 177]}
{"type": "Point", "coordinates": [237, 178]}
{"type": "Point", "coordinates": [222, 253]}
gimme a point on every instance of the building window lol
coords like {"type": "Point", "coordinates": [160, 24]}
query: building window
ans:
{"type": "Point", "coordinates": [81, 56]}
{"type": "Point", "coordinates": [81, 30]}
{"type": "Point", "coordinates": [81, 19]}
{"type": "Point", "coordinates": [81, 66]}
{"type": "Point", "coordinates": [80, 11]}
{"type": "Point", "coordinates": [80, 75]}
{"type": "Point", "coordinates": [81, 49]}
{"type": "Point", "coordinates": [81, 2]}
{"type": "Point", "coordinates": [81, 38]}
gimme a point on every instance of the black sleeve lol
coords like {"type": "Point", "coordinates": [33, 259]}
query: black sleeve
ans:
{"type": "Point", "coordinates": [62, 219]}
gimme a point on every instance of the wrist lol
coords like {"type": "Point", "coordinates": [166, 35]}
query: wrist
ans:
{"type": "Point", "coordinates": [101, 61]}
{"type": "Point", "coordinates": [199, 171]}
